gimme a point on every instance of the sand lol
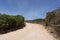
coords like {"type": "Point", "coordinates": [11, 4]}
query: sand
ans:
{"type": "Point", "coordinates": [30, 32]}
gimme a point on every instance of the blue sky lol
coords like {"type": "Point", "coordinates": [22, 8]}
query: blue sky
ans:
{"type": "Point", "coordinates": [30, 9]}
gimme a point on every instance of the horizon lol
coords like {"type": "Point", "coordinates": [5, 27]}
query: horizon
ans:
{"type": "Point", "coordinates": [30, 9]}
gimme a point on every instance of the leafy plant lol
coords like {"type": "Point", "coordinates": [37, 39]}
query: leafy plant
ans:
{"type": "Point", "coordinates": [8, 22]}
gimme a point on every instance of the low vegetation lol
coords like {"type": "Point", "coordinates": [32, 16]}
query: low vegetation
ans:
{"type": "Point", "coordinates": [10, 23]}
{"type": "Point", "coordinates": [39, 21]}
{"type": "Point", "coordinates": [53, 20]}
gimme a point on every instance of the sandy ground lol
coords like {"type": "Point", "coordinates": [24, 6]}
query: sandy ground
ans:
{"type": "Point", "coordinates": [30, 32]}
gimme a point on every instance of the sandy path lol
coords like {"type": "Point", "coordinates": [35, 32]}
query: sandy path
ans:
{"type": "Point", "coordinates": [30, 32]}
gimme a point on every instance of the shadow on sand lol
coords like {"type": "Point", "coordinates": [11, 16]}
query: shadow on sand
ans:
{"type": "Point", "coordinates": [11, 29]}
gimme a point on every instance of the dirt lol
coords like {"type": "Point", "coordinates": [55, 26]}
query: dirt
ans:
{"type": "Point", "coordinates": [30, 32]}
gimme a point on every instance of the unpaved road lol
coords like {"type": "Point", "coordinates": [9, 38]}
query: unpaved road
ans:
{"type": "Point", "coordinates": [30, 32]}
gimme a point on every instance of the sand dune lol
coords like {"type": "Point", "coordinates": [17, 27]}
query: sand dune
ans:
{"type": "Point", "coordinates": [30, 32]}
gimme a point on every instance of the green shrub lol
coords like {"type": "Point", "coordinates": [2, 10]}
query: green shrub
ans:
{"type": "Point", "coordinates": [9, 22]}
{"type": "Point", "coordinates": [19, 20]}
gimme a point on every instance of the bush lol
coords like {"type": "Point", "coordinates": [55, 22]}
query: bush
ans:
{"type": "Point", "coordinates": [19, 20]}
{"type": "Point", "coordinates": [8, 22]}
{"type": "Point", "coordinates": [53, 20]}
